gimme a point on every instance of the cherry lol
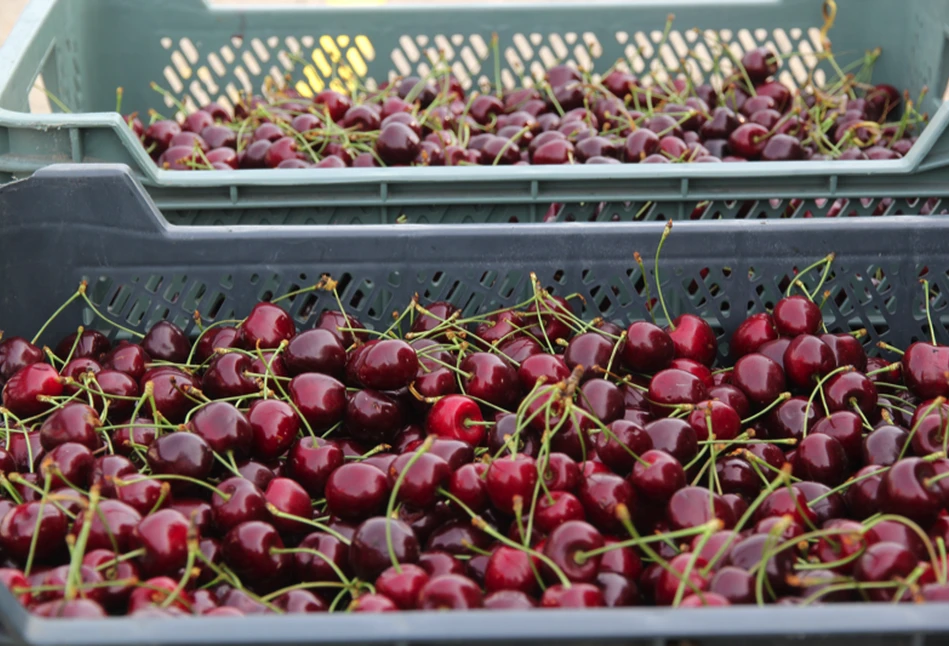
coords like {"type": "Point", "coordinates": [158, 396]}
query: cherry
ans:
{"type": "Point", "coordinates": [273, 428]}
{"type": "Point", "coordinates": [180, 454]}
{"type": "Point", "coordinates": [373, 417]}
{"type": "Point", "coordinates": [694, 368]}
{"type": "Point", "coordinates": [821, 458]}
{"type": "Point", "coordinates": [198, 512]}
{"type": "Point", "coordinates": [19, 524]}
{"type": "Point", "coordinates": [884, 445]}
{"type": "Point", "coordinates": [723, 420]}
{"type": "Point", "coordinates": [728, 394]}
{"type": "Point", "coordinates": [580, 595]}
{"type": "Point", "coordinates": [251, 551]}
{"type": "Point", "coordinates": [421, 480]}
{"type": "Point", "coordinates": [77, 369]}
{"type": "Point", "coordinates": [369, 553]}
{"type": "Point", "coordinates": [450, 592]}
{"type": "Point", "coordinates": [600, 494]}
{"type": "Point", "coordinates": [165, 341]}
{"type": "Point", "coordinates": [244, 502]}
{"type": "Point", "coordinates": [112, 525]}
{"type": "Point", "coordinates": [694, 339]}
{"type": "Point", "coordinates": [397, 144]}
{"type": "Point", "coordinates": [807, 359]}
{"type": "Point", "coordinates": [591, 351]}
{"type": "Point", "coordinates": [906, 490]}
{"type": "Point", "coordinates": [668, 584]}
{"type": "Point", "coordinates": [311, 462]}
{"type": "Point", "coordinates": [508, 478]}
{"type": "Point", "coordinates": [403, 586]}
{"type": "Point", "coordinates": [567, 548]}
{"type": "Point", "coordinates": [75, 422]}
{"type": "Point", "coordinates": [737, 476]}
{"type": "Point", "coordinates": [91, 344]}
{"type": "Point", "coordinates": [114, 598]}
{"type": "Point", "coordinates": [561, 472]}
{"type": "Point", "coordinates": [847, 350]}
{"type": "Point", "coordinates": [456, 417]}
{"type": "Point", "coordinates": [356, 491]}
{"type": "Point", "coordinates": [492, 379]}
{"type": "Point", "coordinates": [675, 437]}
{"type": "Point", "coordinates": [657, 475]}
{"type": "Point", "coordinates": [267, 324]}
{"type": "Point", "coordinates": [319, 398]}
{"type": "Point", "coordinates": [384, 364]}
{"type": "Point", "coordinates": [164, 537]}
{"type": "Point", "coordinates": [619, 448]}
{"type": "Point", "coordinates": [22, 390]}
{"type": "Point", "coordinates": [845, 427]}
{"type": "Point", "coordinates": [648, 347]}
{"type": "Point", "coordinates": [693, 506]}
{"type": "Point", "coordinates": [775, 350]}
{"type": "Point", "coordinates": [883, 562]}
{"type": "Point", "coordinates": [227, 377]}
{"type": "Point", "coordinates": [509, 600]}
{"type": "Point", "coordinates": [863, 496]}
{"type": "Point", "coordinates": [128, 358]}
{"type": "Point", "coordinates": [761, 379]}
{"type": "Point", "coordinates": [601, 399]}
{"type": "Point", "coordinates": [671, 388]}
{"type": "Point", "coordinates": [760, 63]}
{"type": "Point", "coordinates": [552, 368]}
{"type": "Point", "coordinates": [924, 369]}
{"type": "Point", "coordinates": [16, 353]}
{"type": "Point", "coordinates": [796, 315]}
{"type": "Point", "coordinates": [750, 552]}
{"type": "Point", "coordinates": [311, 567]}
{"type": "Point", "coordinates": [846, 390]}
{"type": "Point", "coordinates": [216, 339]}
{"type": "Point", "coordinates": [734, 584]}
{"type": "Point", "coordinates": [316, 351]}
{"type": "Point", "coordinates": [223, 427]}
{"type": "Point", "coordinates": [455, 452]}
{"type": "Point", "coordinates": [68, 464]}
{"type": "Point", "coordinates": [787, 502]}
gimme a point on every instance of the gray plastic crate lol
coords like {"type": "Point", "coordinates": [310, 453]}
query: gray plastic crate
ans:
{"type": "Point", "coordinates": [69, 223]}
{"type": "Point", "coordinates": [83, 49]}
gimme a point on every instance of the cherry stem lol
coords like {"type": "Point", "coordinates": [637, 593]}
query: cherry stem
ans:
{"type": "Point", "coordinates": [308, 550]}
{"type": "Point", "coordinates": [817, 388]}
{"type": "Point", "coordinates": [36, 529]}
{"type": "Point", "coordinates": [74, 577]}
{"type": "Point", "coordinates": [783, 397]}
{"type": "Point", "coordinates": [662, 301]}
{"type": "Point", "coordinates": [128, 556]}
{"type": "Point", "coordinates": [929, 318]}
{"type": "Point", "coordinates": [307, 521]}
{"type": "Point", "coordinates": [680, 589]}
{"type": "Point", "coordinates": [122, 482]}
{"type": "Point", "coordinates": [59, 310]}
{"type": "Point", "coordinates": [936, 403]}
{"type": "Point", "coordinates": [846, 485]}
{"type": "Point", "coordinates": [910, 525]}
{"type": "Point", "coordinates": [423, 449]}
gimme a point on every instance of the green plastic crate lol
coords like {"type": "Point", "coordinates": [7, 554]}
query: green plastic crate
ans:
{"type": "Point", "coordinates": [81, 50]}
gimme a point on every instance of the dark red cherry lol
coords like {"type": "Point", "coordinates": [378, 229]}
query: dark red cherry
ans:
{"type": "Point", "coordinates": [602, 399]}
{"type": "Point", "coordinates": [620, 447]}
{"type": "Point", "coordinates": [510, 477]}
{"type": "Point", "coordinates": [16, 353]}
{"type": "Point", "coordinates": [402, 585]}
{"type": "Point", "coordinates": [265, 327]}
{"type": "Point", "coordinates": [420, 481]}
{"type": "Point", "coordinates": [906, 490]}
{"type": "Point", "coordinates": [760, 63]}
{"type": "Point", "coordinates": [657, 475]}
{"type": "Point", "coordinates": [752, 551]}
{"type": "Point", "coordinates": [163, 535]}
{"type": "Point", "coordinates": [694, 339]}
{"type": "Point", "coordinates": [356, 491]}
{"type": "Point", "coordinates": [450, 592]}
{"type": "Point", "coordinates": [288, 497]}
{"type": "Point", "coordinates": [224, 428]}
{"type": "Point", "coordinates": [180, 454]}
{"type": "Point", "coordinates": [68, 464]}
{"type": "Point", "coordinates": [669, 583]}
{"type": "Point", "coordinates": [112, 526]}
{"type": "Point", "coordinates": [737, 476]}
{"type": "Point", "coordinates": [806, 360]}
{"type": "Point", "coordinates": [648, 348]}
{"type": "Point", "coordinates": [567, 547]}
{"type": "Point", "coordinates": [92, 344]}
{"type": "Point", "coordinates": [845, 427]}
{"type": "Point", "coordinates": [316, 351]}
{"type": "Point", "coordinates": [851, 389]}
{"type": "Point", "coordinates": [580, 595]}
{"type": "Point", "coordinates": [787, 502]}
{"type": "Point", "coordinates": [397, 144]}
{"type": "Point", "coordinates": [373, 417]}
{"type": "Point", "coordinates": [796, 315]}
{"type": "Point", "coordinates": [491, 378]}
{"type": "Point", "coordinates": [671, 388]}
{"type": "Point", "coordinates": [590, 350]}
{"type": "Point", "coordinates": [250, 550]}
{"type": "Point", "coordinates": [129, 358]}
{"type": "Point", "coordinates": [511, 569]}
{"type": "Point", "coordinates": [775, 350]}
{"type": "Point", "coordinates": [924, 369]}
{"type": "Point", "coordinates": [21, 391]}
{"type": "Point", "coordinates": [884, 445]}
{"type": "Point", "coordinates": [456, 417]}
{"type": "Point", "coordinates": [274, 426]}
{"type": "Point", "coordinates": [311, 462]}
{"type": "Point", "coordinates": [761, 379]}
{"type": "Point", "coordinates": [728, 394]}
{"type": "Point", "coordinates": [882, 562]}
{"type": "Point", "coordinates": [716, 417]}
{"type": "Point", "coordinates": [214, 339]}
{"type": "Point", "coordinates": [550, 367]}
{"type": "Point", "coordinates": [227, 377]}
{"type": "Point", "coordinates": [165, 341]}
{"type": "Point", "coordinates": [675, 437]}
{"type": "Point", "coordinates": [319, 567]}
{"type": "Point", "coordinates": [74, 422]}
{"type": "Point", "coordinates": [556, 509]}
{"type": "Point", "coordinates": [319, 398]}
{"type": "Point", "coordinates": [847, 350]}
{"type": "Point", "coordinates": [29, 520]}
{"type": "Point", "coordinates": [385, 364]}
{"type": "Point", "coordinates": [693, 506]}
{"type": "Point", "coordinates": [369, 553]}
{"type": "Point", "coordinates": [821, 458]}
{"type": "Point", "coordinates": [863, 497]}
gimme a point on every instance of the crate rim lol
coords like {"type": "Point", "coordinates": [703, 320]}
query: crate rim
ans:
{"type": "Point", "coordinates": [36, 12]}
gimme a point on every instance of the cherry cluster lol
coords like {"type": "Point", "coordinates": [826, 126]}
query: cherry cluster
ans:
{"type": "Point", "coordinates": [519, 458]}
{"type": "Point", "coordinates": [568, 117]}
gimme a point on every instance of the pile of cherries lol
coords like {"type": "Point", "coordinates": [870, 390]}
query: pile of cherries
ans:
{"type": "Point", "coordinates": [515, 459]}
{"type": "Point", "coordinates": [569, 117]}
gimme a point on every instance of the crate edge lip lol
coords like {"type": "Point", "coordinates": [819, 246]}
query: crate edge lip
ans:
{"type": "Point", "coordinates": [831, 619]}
